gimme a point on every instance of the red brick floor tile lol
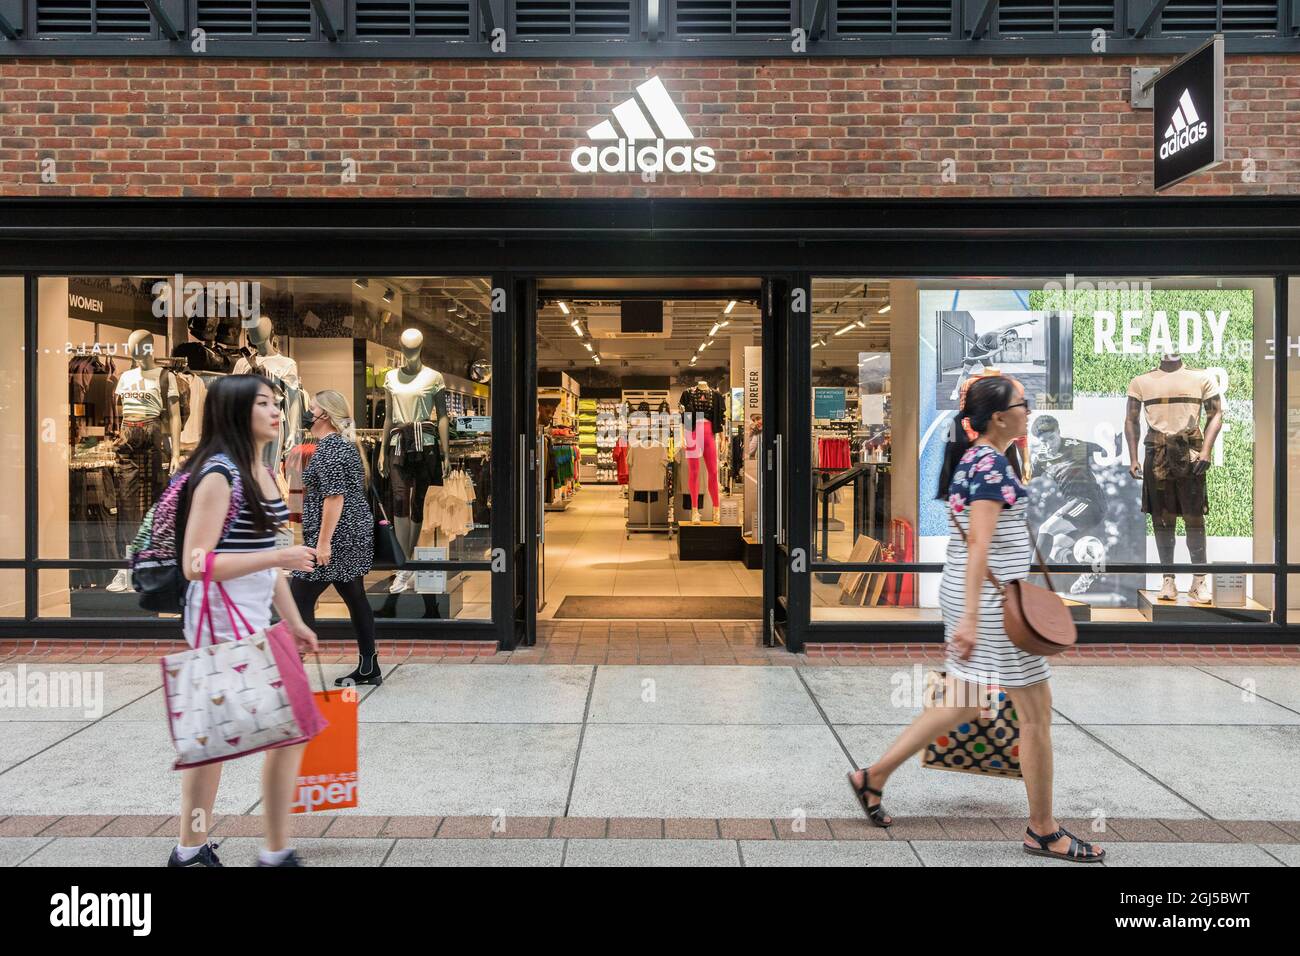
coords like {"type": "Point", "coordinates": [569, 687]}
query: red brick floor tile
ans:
{"type": "Point", "coordinates": [579, 827]}
{"type": "Point", "coordinates": [465, 827]}
{"type": "Point", "coordinates": [1289, 827]}
{"type": "Point", "coordinates": [1141, 831]}
{"type": "Point", "coordinates": [78, 826]}
{"type": "Point", "coordinates": [691, 829]}
{"type": "Point", "coordinates": [522, 828]}
{"type": "Point", "coordinates": [856, 830]}
{"type": "Point", "coordinates": [1256, 831]}
{"type": "Point", "coordinates": [742, 829]}
{"type": "Point", "coordinates": [364, 827]}
{"type": "Point", "coordinates": [135, 825]}
{"type": "Point", "coordinates": [811, 828]}
{"type": "Point", "coordinates": [25, 825]}
{"type": "Point", "coordinates": [970, 828]}
{"type": "Point", "coordinates": [411, 828]}
{"type": "Point", "coordinates": [917, 828]}
{"type": "Point", "coordinates": [1200, 831]}
{"type": "Point", "coordinates": [635, 828]}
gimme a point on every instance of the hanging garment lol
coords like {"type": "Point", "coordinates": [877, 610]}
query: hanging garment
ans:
{"type": "Point", "coordinates": [833, 454]}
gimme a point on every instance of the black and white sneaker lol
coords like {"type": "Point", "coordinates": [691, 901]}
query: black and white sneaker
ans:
{"type": "Point", "coordinates": [207, 856]}
{"type": "Point", "coordinates": [291, 860]}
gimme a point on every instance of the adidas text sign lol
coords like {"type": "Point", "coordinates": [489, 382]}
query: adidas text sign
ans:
{"type": "Point", "coordinates": [650, 137]}
{"type": "Point", "coordinates": [1186, 127]}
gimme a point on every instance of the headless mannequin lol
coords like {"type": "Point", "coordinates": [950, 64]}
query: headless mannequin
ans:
{"type": "Point", "coordinates": [703, 446]}
{"type": "Point", "coordinates": [139, 345]}
{"type": "Point", "coordinates": [428, 406]}
{"type": "Point", "coordinates": [283, 374]}
{"type": "Point", "coordinates": [1164, 526]}
{"type": "Point", "coordinates": [141, 454]}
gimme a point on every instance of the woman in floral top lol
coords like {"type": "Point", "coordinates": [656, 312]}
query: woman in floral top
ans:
{"type": "Point", "coordinates": [988, 503]}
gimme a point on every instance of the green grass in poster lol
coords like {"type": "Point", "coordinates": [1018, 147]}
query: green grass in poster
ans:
{"type": "Point", "coordinates": [1230, 486]}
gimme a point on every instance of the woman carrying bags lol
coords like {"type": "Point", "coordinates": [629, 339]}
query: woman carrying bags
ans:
{"type": "Point", "coordinates": [337, 522]}
{"type": "Point", "coordinates": [240, 416]}
{"type": "Point", "coordinates": [987, 503]}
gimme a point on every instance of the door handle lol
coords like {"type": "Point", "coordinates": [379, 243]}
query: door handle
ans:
{"type": "Point", "coordinates": [523, 491]}
{"type": "Point", "coordinates": [780, 490]}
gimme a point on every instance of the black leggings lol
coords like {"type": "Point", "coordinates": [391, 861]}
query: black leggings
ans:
{"type": "Point", "coordinates": [1165, 527]}
{"type": "Point", "coordinates": [307, 593]}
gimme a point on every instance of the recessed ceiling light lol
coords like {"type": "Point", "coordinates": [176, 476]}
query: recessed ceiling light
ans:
{"type": "Point", "coordinates": [883, 310]}
{"type": "Point", "coordinates": [587, 346]}
{"type": "Point", "coordinates": [714, 331]}
{"type": "Point", "coordinates": [563, 307]}
{"type": "Point", "coordinates": [730, 305]}
{"type": "Point", "coordinates": [848, 328]}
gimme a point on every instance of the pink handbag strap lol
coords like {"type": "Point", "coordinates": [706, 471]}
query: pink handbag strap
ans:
{"type": "Point", "coordinates": [205, 609]}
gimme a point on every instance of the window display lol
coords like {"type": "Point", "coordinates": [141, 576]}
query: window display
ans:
{"type": "Point", "coordinates": [126, 362]}
{"type": "Point", "coordinates": [1151, 411]}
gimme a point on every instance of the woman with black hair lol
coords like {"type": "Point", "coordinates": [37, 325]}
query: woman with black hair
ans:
{"type": "Point", "coordinates": [987, 503]}
{"type": "Point", "coordinates": [240, 416]}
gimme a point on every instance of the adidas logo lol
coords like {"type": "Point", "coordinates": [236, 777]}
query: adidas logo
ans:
{"type": "Point", "coordinates": [1186, 127]}
{"type": "Point", "coordinates": [648, 138]}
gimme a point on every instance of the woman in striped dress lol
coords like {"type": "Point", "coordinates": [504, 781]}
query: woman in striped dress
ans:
{"type": "Point", "coordinates": [987, 502]}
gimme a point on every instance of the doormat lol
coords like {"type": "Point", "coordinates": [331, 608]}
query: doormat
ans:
{"type": "Point", "coordinates": [603, 608]}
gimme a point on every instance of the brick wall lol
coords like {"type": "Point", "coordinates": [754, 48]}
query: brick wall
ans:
{"type": "Point", "coordinates": [859, 128]}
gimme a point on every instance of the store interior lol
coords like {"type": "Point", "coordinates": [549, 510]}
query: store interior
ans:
{"type": "Point", "coordinates": [404, 350]}
{"type": "Point", "coordinates": [650, 490]}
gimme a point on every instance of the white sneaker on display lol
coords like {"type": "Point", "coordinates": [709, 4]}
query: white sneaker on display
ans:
{"type": "Point", "coordinates": [1168, 590]}
{"type": "Point", "coordinates": [1082, 583]}
{"type": "Point", "coordinates": [1200, 591]}
{"type": "Point", "coordinates": [401, 582]}
{"type": "Point", "coordinates": [695, 517]}
{"type": "Point", "coordinates": [121, 582]}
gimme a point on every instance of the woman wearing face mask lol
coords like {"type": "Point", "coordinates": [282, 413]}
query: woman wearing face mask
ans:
{"type": "Point", "coordinates": [337, 522]}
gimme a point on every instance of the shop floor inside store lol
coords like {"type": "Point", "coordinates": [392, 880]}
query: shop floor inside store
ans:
{"type": "Point", "coordinates": [589, 553]}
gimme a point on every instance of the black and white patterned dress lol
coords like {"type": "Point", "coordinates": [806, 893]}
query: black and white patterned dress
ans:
{"type": "Point", "coordinates": [335, 469]}
{"type": "Point", "coordinates": [983, 474]}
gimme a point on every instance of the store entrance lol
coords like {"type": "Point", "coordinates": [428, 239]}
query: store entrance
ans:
{"type": "Point", "coordinates": [645, 483]}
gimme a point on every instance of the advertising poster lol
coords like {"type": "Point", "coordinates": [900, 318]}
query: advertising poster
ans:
{"type": "Point", "coordinates": [1085, 506]}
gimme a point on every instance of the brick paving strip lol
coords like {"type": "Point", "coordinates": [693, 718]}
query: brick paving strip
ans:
{"type": "Point", "coordinates": [706, 644]}
{"type": "Point", "coordinates": [654, 828]}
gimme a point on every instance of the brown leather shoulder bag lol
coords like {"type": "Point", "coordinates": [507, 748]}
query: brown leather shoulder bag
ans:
{"type": "Point", "coordinates": [1035, 618]}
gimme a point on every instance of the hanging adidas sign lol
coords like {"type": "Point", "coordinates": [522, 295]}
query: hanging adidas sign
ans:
{"type": "Point", "coordinates": [646, 135]}
{"type": "Point", "coordinates": [1185, 128]}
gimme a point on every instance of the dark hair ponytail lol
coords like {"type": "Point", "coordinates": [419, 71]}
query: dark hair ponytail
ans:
{"type": "Point", "coordinates": [228, 430]}
{"type": "Point", "coordinates": [984, 398]}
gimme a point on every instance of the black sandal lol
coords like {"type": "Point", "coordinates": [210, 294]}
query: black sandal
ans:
{"type": "Point", "coordinates": [1080, 851]}
{"type": "Point", "coordinates": [876, 814]}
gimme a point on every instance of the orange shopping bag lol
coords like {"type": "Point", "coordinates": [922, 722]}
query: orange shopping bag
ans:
{"type": "Point", "coordinates": [327, 779]}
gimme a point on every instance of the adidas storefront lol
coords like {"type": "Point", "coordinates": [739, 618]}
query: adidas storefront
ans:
{"type": "Point", "coordinates": [874, 280]}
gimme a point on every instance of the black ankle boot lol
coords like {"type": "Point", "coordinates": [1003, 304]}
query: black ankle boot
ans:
{"type": "Point", "coordinates": [367, 672]}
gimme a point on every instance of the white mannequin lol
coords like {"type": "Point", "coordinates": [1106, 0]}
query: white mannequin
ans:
{"type": "Point", "coordinates": [151, 377]}
{"type": "Point", "coordinates": [139, 345]}
{"type": "Point", "coordinates": [283, 373]}
{"type": "Point", "coordinates": [430, 403]}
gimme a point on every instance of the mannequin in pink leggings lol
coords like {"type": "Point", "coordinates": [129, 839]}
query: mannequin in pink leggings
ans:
{"type": "Point", "coordinates": [703, 417]}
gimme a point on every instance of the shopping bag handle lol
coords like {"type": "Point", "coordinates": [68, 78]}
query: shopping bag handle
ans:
{"type": "Point", "coordinates": [205, 609]}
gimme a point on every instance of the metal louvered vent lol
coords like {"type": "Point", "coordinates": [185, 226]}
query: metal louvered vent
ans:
{"type": "Point", "coordinates": [1230, 16]}
{"type": "Point", "coordinates": [573, 18]}
{"type": "Point", "coordinates": [93, 17]}
{"type": "Point", "coordinates": [723, 18]}
{"type": "Point", "coordinates": [255, 17]}
{"type": "Point", "coordinates": [883, 17]}
{"type": "Point", "coordinates": [1054, 16]}
{"type": "Point", "coordinates": [444, 19]}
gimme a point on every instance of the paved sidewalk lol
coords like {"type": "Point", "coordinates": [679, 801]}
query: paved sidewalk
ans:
{"type": "Point", "coordinates": [573, 764]}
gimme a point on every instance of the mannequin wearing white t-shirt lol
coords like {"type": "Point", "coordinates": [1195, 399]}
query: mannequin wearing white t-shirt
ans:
{"type": "Point", "coordinates": [283, 372]}
{"type": "Point", "coordinates": [149, 414]}
{"type": "Point", "coordinates": [413, 393]}
{"type": "Point", "coordinates": [1164, 525]}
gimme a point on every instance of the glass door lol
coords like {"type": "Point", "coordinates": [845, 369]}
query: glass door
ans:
{"type": "Point", "coordinates": [774, 460]}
